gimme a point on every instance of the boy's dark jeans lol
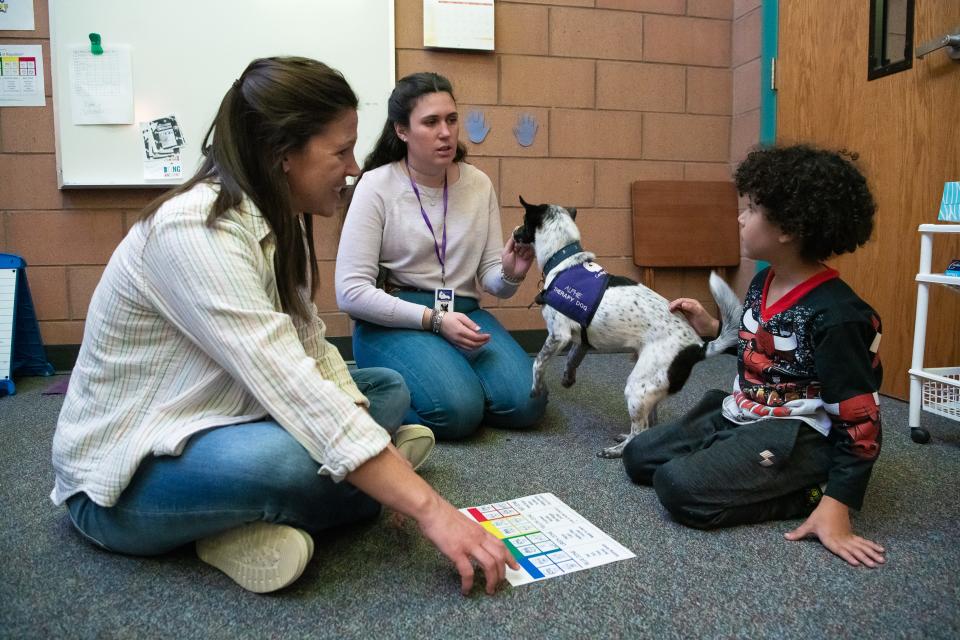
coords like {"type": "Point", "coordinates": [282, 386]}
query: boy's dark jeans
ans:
{"type": "Point", "coordinates": [709, 472]}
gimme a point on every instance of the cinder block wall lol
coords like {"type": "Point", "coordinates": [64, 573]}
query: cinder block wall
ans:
{"type": "Point", "coordinates": [745, 128]}
{"type": "Point", "coordinates": [622, 90]}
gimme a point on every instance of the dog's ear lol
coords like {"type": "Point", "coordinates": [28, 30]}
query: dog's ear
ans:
{"type": "Point", "coordinates": [572, 211]}
{"type": "Point", "coordinates": [532, 207]}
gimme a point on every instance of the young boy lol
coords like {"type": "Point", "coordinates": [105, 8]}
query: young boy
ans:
{"type": "Point", "coordinates": [800, 432]}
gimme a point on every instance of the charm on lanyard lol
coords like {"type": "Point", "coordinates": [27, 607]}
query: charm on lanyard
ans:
{"type": "Point", "coordinates": [443, 299]}
{"type": "Point", "coordinates": [442, 296]}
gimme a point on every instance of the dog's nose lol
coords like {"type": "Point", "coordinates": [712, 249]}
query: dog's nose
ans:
{"type": "Point", "coordinates": [520, 236]}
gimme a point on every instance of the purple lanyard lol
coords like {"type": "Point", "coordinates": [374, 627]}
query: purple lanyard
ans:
{"type": "Point", "coordinates": [441, 250]}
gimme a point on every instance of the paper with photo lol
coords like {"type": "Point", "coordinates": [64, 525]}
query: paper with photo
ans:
{"type": "Point", "coordinates": [162, 144]}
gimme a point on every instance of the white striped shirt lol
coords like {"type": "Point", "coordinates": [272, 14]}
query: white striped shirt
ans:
{"type": "Point", "coordinates": [185, 332]}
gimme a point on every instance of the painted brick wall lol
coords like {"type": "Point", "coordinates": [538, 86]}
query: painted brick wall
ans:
{"type": "Point", "coordinates": [745, 128]}
{"type": "Point", "coordinates": [622, 90]}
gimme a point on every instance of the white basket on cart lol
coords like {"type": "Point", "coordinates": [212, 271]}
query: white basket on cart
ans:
{"type": "Point", "coordinates": [940, 397]}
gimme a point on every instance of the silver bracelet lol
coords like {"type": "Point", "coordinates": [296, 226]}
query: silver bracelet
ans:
{"type": "Point", "coordinates": [510, 280]}
{"type": "Point", "coordinates": [436, 320]}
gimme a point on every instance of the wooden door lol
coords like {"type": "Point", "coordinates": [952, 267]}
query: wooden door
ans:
{"type": "Point", "coordinates": [905, 128]}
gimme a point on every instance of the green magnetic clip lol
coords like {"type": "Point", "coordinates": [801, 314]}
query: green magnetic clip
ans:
{"type": "Point", "coordinates": [95, 47]}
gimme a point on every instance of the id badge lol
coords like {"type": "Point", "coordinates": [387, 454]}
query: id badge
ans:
{"type": "Point", "coordinates": [443, 299]}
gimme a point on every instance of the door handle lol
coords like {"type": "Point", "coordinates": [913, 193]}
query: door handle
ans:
{"type": "Point", "coordinates": [951, 41]}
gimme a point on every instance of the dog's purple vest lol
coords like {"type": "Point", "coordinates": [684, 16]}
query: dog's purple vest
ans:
{"type": "Point", "coordinates": [576, 292]}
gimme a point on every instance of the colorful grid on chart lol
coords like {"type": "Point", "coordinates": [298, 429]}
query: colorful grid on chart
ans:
{"type": "Point", "coordinates": [546, 537]}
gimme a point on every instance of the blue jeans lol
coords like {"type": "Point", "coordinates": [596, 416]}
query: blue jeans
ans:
{"type": "Point", "coordinates": [232, 475]}
{"type": "Point", "coordinates": [454, 391]}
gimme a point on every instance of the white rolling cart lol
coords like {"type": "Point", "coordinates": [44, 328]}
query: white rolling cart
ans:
{"type": "Point", "coordinates": [936, 390]}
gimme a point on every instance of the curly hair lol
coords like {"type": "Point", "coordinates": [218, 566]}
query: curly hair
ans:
{"type": "Point", "coordinates": [814, 195]}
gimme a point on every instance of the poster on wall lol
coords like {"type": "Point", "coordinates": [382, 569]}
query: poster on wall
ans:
{"type": "Point", "coordinates": [16, 15]}
{"type": "Point", "coordinates": [453, 24]}
{"type": "Point", "coordinates": [21, 76]}
{"type": "Point", "coordinates": [101, 85]}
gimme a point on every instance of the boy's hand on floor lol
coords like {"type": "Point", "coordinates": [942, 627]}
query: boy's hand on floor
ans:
{"type": "Point", "coordinates": [830, 523]}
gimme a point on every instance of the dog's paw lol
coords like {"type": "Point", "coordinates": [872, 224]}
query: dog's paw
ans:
{"type": "Point", "coordinates": [567, 382]}
{"type": "Point", "coordinates": [610, 453]}
{"type": "Point", "coordinates": [615, 451]}
{"type": "Point", "coordinates": [538, 390]}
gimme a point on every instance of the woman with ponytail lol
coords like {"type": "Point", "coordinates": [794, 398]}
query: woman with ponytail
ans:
{"type": "Point", "coordinates": [205, 404]}
{"type": "Point", "coordinates": [421, 239]}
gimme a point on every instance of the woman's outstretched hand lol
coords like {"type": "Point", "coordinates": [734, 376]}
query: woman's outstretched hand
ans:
{"type": "Point", "coordinates": [466, 544]}
{"type": "Point", "coordinates": [389, 479]}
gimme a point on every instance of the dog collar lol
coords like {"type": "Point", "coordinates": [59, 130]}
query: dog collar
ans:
{"type": "Point", "coordinates": [561, 255]}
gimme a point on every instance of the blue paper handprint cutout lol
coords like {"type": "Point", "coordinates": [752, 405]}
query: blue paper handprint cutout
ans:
{"type": "Point", "coordinates": [477, 127]}
{"type": "Point", "coordinates": [526, 129]}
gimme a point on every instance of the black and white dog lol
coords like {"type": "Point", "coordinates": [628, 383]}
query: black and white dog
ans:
{"type": "Point", "coordinates": [623, 315]}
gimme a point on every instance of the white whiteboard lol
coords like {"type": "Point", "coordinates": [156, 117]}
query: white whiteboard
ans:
{"type": "Point", "coordinates": [187, 53]}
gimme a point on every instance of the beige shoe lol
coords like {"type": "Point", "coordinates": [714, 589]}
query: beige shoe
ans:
{"type": "Point", "coordinates": [260, 556]}
{"type": "Point", "coordinates": [309, 540]}
{"type": "Point", "coordinates": [414, 442]}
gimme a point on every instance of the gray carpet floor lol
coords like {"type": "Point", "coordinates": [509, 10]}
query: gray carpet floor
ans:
{"type": "Point", "coordinates": [382, 580]}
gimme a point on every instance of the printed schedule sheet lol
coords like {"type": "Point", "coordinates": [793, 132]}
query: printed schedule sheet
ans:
{"type": "Point", "coordinates": [547, 537]}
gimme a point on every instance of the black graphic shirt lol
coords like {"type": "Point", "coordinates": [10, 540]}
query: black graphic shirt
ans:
{"type": "Point", "coordinates": [812, 355]}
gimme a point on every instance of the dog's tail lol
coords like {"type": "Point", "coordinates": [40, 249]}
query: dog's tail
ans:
{"type": "Point", "coordinates": [730, 310]}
